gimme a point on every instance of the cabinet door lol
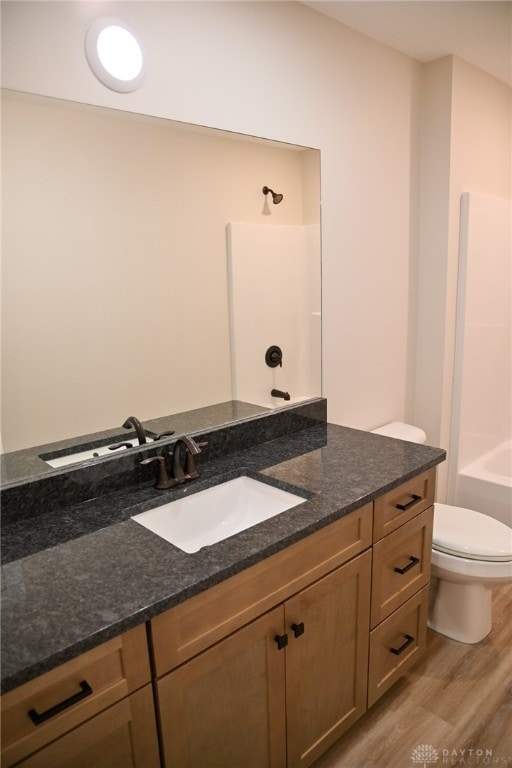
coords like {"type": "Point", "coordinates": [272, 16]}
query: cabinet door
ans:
{"type": "Point", "coordinates": [327, 662]}
{"type": "Point", "coordinates": [226, 707]}
{"type": "Point", "coordinates": [123, 736]}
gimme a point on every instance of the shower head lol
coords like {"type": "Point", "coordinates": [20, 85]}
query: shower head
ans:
{"type": "Point", "coordinates": [276, 197]}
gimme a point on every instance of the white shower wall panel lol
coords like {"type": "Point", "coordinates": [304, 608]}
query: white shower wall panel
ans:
{"type": "Point", "coordinates": [275, 300]}
{"type": "Point", "coordinates": [482, 401]}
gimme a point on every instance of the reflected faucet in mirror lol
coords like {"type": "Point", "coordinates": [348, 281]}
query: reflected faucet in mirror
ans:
{"type": "Point", "coordinates": [141, 434]}
{"type": "Point", "coordinates": [132, 421]}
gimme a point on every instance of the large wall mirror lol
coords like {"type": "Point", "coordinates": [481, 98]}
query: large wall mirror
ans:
{"type": "Point", "coordinates": [139, 259]}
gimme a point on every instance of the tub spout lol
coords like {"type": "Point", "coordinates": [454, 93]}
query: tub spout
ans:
{"type": "Point", "coordinates": [278, 393]}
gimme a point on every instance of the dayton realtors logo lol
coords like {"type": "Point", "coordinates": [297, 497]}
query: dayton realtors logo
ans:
{"type": "Point", "coordinates": [425, 755]}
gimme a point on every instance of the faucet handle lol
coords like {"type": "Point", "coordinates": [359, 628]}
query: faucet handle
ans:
{"type": "Point", "coordinates": [163, 481]}
{"type": "Point", "coordinates": [190, 464]}
{"type": "Point", "coordinates": [167, 433]}
{"type": "Point", "coordinates": [119, 445]}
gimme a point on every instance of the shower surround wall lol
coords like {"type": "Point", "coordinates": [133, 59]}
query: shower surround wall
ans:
{"type": "Point", "coordinates": [482, 405]}
{"type": "Point", "coordinates": [263, 261]}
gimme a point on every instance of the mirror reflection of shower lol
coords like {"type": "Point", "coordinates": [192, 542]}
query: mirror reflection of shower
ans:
{"type": "Point", "coordinates": [275, 334]}
{"type": "Point", "coordinates": [276, 196]}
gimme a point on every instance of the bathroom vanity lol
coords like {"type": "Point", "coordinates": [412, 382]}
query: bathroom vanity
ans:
{"type": "Point", "coordinates": [260, 650]}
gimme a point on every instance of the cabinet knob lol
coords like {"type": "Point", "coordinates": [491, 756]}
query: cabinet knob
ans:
{"type": "Point", "coordinates": [298, 629]}
{"type": "Point", "coordinates": [281, 640]}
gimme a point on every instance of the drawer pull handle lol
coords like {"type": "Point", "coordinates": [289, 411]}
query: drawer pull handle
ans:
{"type": "Point", "coordinates": [408, 640]}
{"type": "Point", "coordinates": [413, 561]}
{"type": "Point", "coordinates": [411, 503]}
{"type": "Point", "coordinates": [298, 629]}
{"type": "Point", "coordinates": [37, 718]}
{"type": "Point", "coordinates": [281, 640]}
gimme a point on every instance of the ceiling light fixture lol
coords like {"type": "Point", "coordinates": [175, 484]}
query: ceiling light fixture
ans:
{"type": "Point", "coordinates": [114, 54]}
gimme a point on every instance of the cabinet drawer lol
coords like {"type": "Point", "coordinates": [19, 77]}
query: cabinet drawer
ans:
{"type": "Point", "coordinates": [401, 565]}
{"type": "Point", "coordinates": [192, 626]}
{"type": "Point", "coordinates": [403, 503]}
{"type": "Point", "coordinates": [43, 709]}
{"type": "Point", "coordinates": [396, 644]}
{"type": "Point", "coordinates": [123, 735]}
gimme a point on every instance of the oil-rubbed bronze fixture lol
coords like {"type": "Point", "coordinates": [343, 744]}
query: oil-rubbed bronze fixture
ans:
{"type": "Point", "coordinates": [183, 463]}
{"type": "Point", "coordinates": [119, 445]}
{"type": "Point", "coordinates": [189, 448]}
{"type": "Point", "coordinates": [163, 481]}
{"type": "Point", "coordinates": [133, 421]}
{"type": "Point", "coordinates": [274, 356]}
{"type": "Point", "coordinates": [279, 393]}
{"type": "Point", "coordinates": [167, 433]}
{"type": "Point", "coordinates": [276, 196]}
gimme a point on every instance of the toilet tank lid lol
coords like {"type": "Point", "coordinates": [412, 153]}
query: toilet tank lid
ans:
{"type": "Point", "coordinates": [402, 431]}
{"type": "Point", "coordinates": [467, 533]}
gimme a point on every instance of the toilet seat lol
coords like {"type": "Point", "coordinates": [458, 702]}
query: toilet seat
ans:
{"type": "Point", "coordinates": [402, 431]}
{"type": "Point", "coordinates": [469, 534]}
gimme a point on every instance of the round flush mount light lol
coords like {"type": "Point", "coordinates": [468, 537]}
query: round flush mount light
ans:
{"type": "Point", "coordinates": [114, 54]}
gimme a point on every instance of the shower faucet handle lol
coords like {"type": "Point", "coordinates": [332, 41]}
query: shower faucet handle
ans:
{"type": "Point", "coordinates": [274, 356]}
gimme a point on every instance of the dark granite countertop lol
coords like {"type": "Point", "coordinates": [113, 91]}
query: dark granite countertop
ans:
{"type": "Point", "coordinates": [79, 576]}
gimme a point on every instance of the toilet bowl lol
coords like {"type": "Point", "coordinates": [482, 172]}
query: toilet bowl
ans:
{"type": "Point", "coordinates": [471, 554]}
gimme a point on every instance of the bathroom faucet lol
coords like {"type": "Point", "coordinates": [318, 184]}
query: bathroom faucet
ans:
{"type": "Point", "coordinates": [181, 474]}
{"type": "Point", "coordinates": [191, 449]}
{"type": "Point", "coordinates": [133, 421]}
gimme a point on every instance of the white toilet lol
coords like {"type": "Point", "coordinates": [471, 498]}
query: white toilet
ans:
{"type": "Point", "coordinates": [471, 554]}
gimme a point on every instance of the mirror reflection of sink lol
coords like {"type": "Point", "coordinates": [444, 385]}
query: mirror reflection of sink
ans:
{"type": "Point", "coordinates": [63, 459]}
{"type": "Point", "coordinates": [216, 513]}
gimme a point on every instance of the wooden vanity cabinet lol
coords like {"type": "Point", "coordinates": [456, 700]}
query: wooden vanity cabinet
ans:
{"type": "Point", "coordinates": [402, 533]}
{"type": "Point", "coordinates": [265, 669]}
{"type": "Point", "coordinates": [96, 710]}
{"type": "Point", "coordinates": [279, 690]}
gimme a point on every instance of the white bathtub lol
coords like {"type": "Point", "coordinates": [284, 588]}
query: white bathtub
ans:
{"type": "Point", "coordinates": [486, 484]}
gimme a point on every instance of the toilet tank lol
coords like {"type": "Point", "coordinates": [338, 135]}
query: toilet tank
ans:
{"type": "Point", "coordinates": [402, 431]}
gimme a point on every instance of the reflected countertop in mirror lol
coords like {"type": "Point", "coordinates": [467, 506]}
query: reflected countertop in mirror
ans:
{"type": "Point", "coordinates": [28, 464]}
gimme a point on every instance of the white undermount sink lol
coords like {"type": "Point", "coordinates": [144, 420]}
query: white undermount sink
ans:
{"type": "Point", "coordinates": [216, 513]}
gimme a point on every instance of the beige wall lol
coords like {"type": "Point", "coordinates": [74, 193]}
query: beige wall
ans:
{"type": "Point", "coordinates": [282, 71]}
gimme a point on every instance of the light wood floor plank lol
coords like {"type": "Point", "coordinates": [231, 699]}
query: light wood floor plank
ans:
{"type": "Point", "coordinates": [459, 697]}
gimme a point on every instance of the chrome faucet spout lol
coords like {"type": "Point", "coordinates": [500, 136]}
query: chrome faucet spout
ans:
{"type": "Point", "coordinates": [132, 421]}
